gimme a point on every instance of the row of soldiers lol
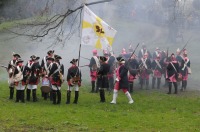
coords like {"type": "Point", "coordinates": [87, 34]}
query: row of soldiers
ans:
{"type": "Point", "coordinates": [143, 65]}
{"type": "Point", "coordinates": [27, 77]}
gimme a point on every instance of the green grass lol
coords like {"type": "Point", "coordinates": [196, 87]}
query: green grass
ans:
{"type": "Point", "coordinates": [152, 111]}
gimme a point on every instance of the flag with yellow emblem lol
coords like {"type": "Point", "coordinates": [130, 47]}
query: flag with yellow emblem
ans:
{"type": "Point", "coordinates": [95, 32]}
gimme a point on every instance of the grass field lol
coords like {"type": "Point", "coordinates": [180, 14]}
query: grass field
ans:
{"type": "Point", "coordinates": [151, 111]}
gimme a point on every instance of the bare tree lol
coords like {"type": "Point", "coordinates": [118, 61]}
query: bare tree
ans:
{"type": "Point", "coordinates": [59, 26]}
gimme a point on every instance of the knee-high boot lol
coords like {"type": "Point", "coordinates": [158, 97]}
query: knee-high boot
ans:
{"type": "Point", "coordinates": [11, 92]}
{"type": "Point", "coordinates": [68, 97]}
{"type": "Point", "coordinates": [28, 92]}
{"type": "Point", "coordinates": [34, 95]}
{"type": "Point", "coordinates": [22, 96]}
{"type": "Point", "coordinates": [158, 83]}
{"type": "Point", "coordinates": [59, 96]}
{"type": "Point", "coordinates": [76, 97]}
{"type": "Point", "coordinates": [147, 83]}
{"type": "Point", "coordinates": [102, 95]}
{"type": "Point", "coordinates": [153, 82]}
{"type": "Point", "coordinates": [115, 93]}
{"type": "Point", "coordinates": [185, 84]}
{"type": "Point", "coordinates": [17, 95]}
{"type": "Point", "coordinates": [93, 86]}
{"type": "Point", "coordinates": [54, 96]}
{"type": "Point", "coordinates": [129, 97]}
{"type": "Point", "coordinates": [131, 87]}
{"type": "Point", "coordinates": [170, 87]}
{"type": "Point", "coordinates": [176, 87]}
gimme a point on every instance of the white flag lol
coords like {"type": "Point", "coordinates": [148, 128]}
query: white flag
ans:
{"type": "Point", "coordinates": [95, 32]}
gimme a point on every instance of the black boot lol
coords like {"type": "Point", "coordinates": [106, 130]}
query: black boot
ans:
{"type": "Point", "coordinates": [54, 96]}
{"type": "Point", "coordinates": [153, 82]}
{"type": "Point", "coordinates": [97, 87]}
{"type": "Point", "coordinates": [28, 92]}
{"type": "Point", "coordinates": [130, 87]}
{"type": "Point", "coordinates": [102, 95]}
{"type": "Point", "coordinates": [147, 84]}
{"type": "Point", "coordinates": [185, 84]}
{"type": "Point", "coordinates": [158, 83]}
{"type": "Point", "coordinates": [11, 92]}
{"type": "Point", "coordinates": [22, 96]}
{"type": "Point", "coordinates": [34, 95]}
{"type": "Point", "coordinates": [68, 97]}
{"type": "Point", "coordinates": [59, 96]}
{"type": "Point", "coordinates": [76, 97]}
{"type": "Point", "coordinates": [170, 87]}
{"type": "Point", "coordinates": [176, 88]}
{"type": "Point", "coordinates": [93, 86]}
{"type": "Point", "coordinates": [17, 95]}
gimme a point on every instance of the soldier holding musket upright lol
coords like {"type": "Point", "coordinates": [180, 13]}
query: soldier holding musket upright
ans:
{"type": "Point", "coordinates": [121, 81]}
{"type": "Point", "coordinates": [56, 78]}
{"type": "Point", "coordinates": [157, 72]}
{"type": "Point", "coordinates": [133, 71]}
{"type": "Point", "coordinates": [73, 80]}
{"type": "Point", "coordinates": [173, 73]}
{"type": "Point", "coordinates": [145, 70]}
{"type": "Point", "coordinates": [10, 69]}
{"type": "Point", "coordinates": [185, 70]}
{"type": "Point", "coordinates": [34, 76]}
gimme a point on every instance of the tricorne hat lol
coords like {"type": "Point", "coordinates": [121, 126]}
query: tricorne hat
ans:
{"type": "Point", "coordinates": [120, 59]}
{"type": "Point", "coordinates": [103, 58]}
{"type": "Point", "coordinates": [16, 55]}
{"type": "Point", "coordinates": [73, 61]}
{"type": "Point", "coordinates": [19, 61]}
{"type": "Point", "coordinates": [50, 52]}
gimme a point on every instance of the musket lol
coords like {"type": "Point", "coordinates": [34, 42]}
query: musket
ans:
{"type": "Point", "coordinates": [83, 65]}
{"type": "Point", "coordinates": [184, 46]}
{"type": "Point", "coordinates": [4, 66]}
{"type": "Point", "coordinates": [85, 58]}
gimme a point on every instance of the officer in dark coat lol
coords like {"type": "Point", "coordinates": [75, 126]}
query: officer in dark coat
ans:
{"type": "Point", "coordinates": [173, 73]}
{"type": "Point", "coordinates": [10, 69]}
{"type": "Point", "coordinates": [34, 76]}
{"type": "Point", "coordinates": [56, 77]}
{"type": "Point", "coordinates": [121, 81]}
{"type": "Point", "coordinates": [73, 80]}
{"type": "Point", "coordinates": [102, 77]}
{"type": "Point", "coordinates": [133, 67]}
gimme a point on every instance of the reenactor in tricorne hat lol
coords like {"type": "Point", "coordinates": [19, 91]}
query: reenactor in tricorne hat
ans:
{"type": "Point", "coordinates": [19, 80]}
{"type": "Point", "coordinates": [102, 77]}
{"type": "Point", "coordinates": [185, 70]}
{"type": "Point", "coordinates": [45, 64]}
{"type": "Point", "coordinates": [56, 78]}
{"type": "Point", "coordinates": [133, 67]}
{"type": "Point", "coordinates": [121, 81]}
{"type": "Point", "coordinates": [173, 73]}
{"type": "Point", "coordinates": [94, 65]}
{"type": "Point", "coordinates": [145, 70]}
{"type": "Point", "coordinates": [33, 77]}
{"type": "Point", "coordinates": [10, 69]}
{"type": "Point", "coordinates": [156, 66]}
{"type": "Point", "coordinates": [73, 80]}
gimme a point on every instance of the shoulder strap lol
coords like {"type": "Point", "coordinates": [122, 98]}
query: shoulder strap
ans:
{"type": "Point", "coordinates": [173, 66]}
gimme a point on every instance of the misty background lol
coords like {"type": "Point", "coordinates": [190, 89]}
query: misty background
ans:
{"type": "Point", "coordinates": [157, 23]}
